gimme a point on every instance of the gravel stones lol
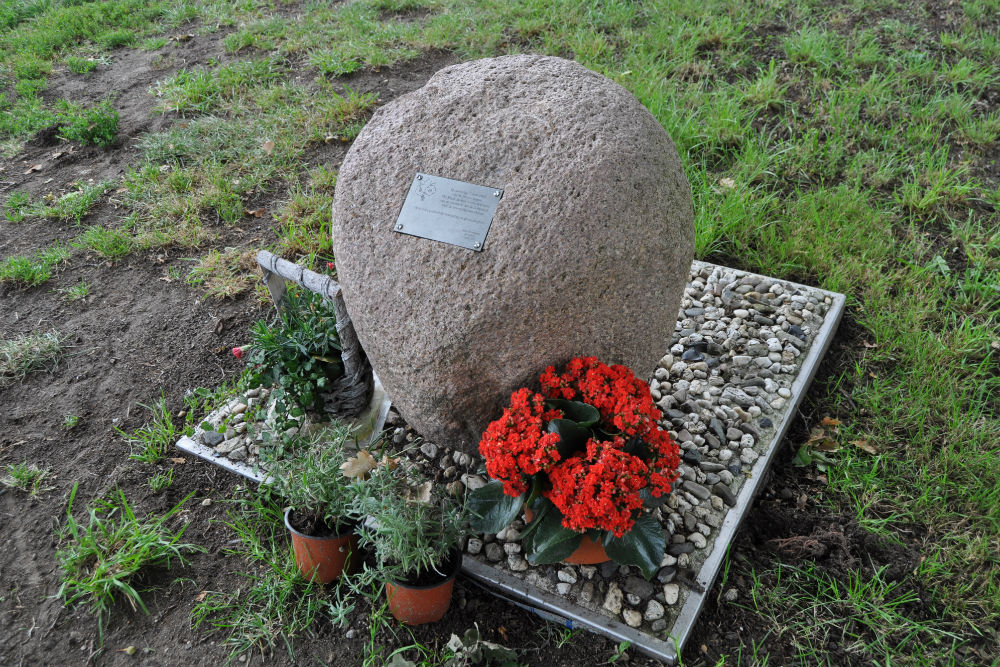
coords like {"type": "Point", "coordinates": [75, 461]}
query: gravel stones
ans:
{"type": "Point", "coordinates": [445, 327]}
{"type": "Point", "coordinates": [613, 599]}
{"type": "Point", "coordinates": [722, 416]}
{"type": "Point", "coordinates": [212, 438]}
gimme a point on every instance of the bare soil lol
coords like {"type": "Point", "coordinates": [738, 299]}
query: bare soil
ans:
{"type": "Point", "coordinates": [140, 334]}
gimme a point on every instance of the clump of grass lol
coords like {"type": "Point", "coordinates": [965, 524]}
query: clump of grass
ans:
{"type": "Point", "coordinates": [24, 354]}
{"type": "Point", "coordinates": [76, 292]}
{"type": "Point", "coordinates": [151, 440]}
{"type": "Point", "coordinates": [27, 477]}
{"type": "Point", "coordinates": [16, 207]}
{"type": "Point", "coordinates": [81, 65]}
{"type": "Point", "coordinates": [201, 91]}
{"type": "Point", "coordinates": [111, 244]}
{"type": "Point", "coordinates": [113, 39]}
{"type": "Point", "coordinates": [305, 218]}
{"type": "Point", "coordinates": [224, 274]}
{"type": "Point", "coordinates": [276, 603]}
{"type": "Point", "coordinates": [161, 481]}
{"type": "Point", "coordinates": [153, 43]}
{"type": "Point", "coordinates": [95, 125]}
{"type": "Point", "coordinates": [34, 269]}
{"type": "Point", "coordinates": [103, 557]}
{"type": "Point", "coordinates": [73, 206]}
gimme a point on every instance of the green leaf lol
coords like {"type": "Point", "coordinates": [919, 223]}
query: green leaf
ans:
{"type": "Point", "coordinates": [643, 546]}
{"type": "Point", "coordinates": [802, 457]}
{"type": "Point", "coordinates": [492, 509]}
{"type": "Point", "coordinates": [572, 436]}
{"type": "Point", "coordinates": [582, 413]}
{"type": "Point", "coordinates": [542, 507]}
{"type": "Point", "coordinates": [551, 541]}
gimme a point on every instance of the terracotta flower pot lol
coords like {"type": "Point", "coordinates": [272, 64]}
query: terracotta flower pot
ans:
{"type": "Point", "coordinates": [415, 605]}
{"type": "Point", "coordinates": [588, 553]}
{"type": "Point", "coordinates": [322, 559]}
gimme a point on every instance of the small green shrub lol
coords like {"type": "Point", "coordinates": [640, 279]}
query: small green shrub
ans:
{"type": "Point", "coordinates": [96, 125]}
{"type": "Point", "coordinates": [300, 354]}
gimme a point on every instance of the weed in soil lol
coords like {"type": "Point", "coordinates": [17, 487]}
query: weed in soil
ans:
{"type": "Point", "coordinates": [33, 269]}
{"type": "Point", "coordinates": [30, 352]}
{"type": "Point", "coordinates": [274, 604]}
{"type": "Point", "coordinates": [102, 558]}
{"type": "Point", "coordinates": [27, 477]}
{"type": "Point", "coordinates": [150, 441]}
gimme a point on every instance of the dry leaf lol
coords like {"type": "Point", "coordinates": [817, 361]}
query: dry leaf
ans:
{"type": "Point", "coordinates": [32, 168]}
{"type": "Point", "coordinates": [183, 38]}
{"type": "Point", "coordinates": [503, 632]}
{"type": "Point", "coordinates": [359, 466]}
{"type": "Point", "coordinates": [257, 212]}
{"type": "Point", "coordinates": [869, 345]}
{"type": "Point", "coordinates": [727, 183]}
{"type": "Point", "coordinates": [268, 147]}
{"type": "Point", "coordinates": [58, 154]}
{"type": "Point", "coordinates": [819, 440]}
{"type": "Point", "coordinates": [826, 445]}
{"type": "Point", "coordinates": [863, 444]}
{"type": "Point", "coordinates": [829, 421]}
{"type": "Point", "coordinates": [178, 460]}
{"type": "Point", "coordinates": [389, 463]}
{"type": "Point", "coordinates": [200, 597]}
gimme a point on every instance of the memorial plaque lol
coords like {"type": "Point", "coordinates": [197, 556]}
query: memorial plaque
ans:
{"type": "Point", "coordinates": [450, 211]}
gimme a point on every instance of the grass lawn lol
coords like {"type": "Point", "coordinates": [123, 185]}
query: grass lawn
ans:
{"type": "Point", "coordinates": [851, 145]}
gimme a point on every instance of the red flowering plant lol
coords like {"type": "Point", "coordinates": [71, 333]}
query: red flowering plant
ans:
{"type": "Point", "coordinates": [588, 458]}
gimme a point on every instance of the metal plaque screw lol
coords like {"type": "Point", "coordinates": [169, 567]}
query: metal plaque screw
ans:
{"type": "Point", "coordinates": [398, 227]}
{"type": "Point", "coordinates": [477, 246]}
{"type": "Point", "coordinates": [496, 193]}
{"type": "Point", "coordinates": [419, 176]}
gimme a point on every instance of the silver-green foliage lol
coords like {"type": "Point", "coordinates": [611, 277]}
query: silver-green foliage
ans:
{"type": "Point", "coordinates": [413, 527]}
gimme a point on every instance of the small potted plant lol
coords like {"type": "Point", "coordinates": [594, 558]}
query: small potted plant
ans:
{"type": "Point", "coordinates": [414, 531]}
{"type": "Point", "coordinates": [320, 501]}
{"type": "Point", "coordinates": [584, 461]}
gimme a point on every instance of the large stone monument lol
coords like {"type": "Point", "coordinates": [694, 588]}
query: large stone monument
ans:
{"type": "Point", "coordinates": [587, 251]}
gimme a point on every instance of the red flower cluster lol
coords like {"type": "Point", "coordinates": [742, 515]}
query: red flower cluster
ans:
{"type": "Point", "coordinates": [516, 445]}
{"type": "Point", "coordinates": [597, 488]}
{"type": "Point", "coordinates": [622, 399]}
